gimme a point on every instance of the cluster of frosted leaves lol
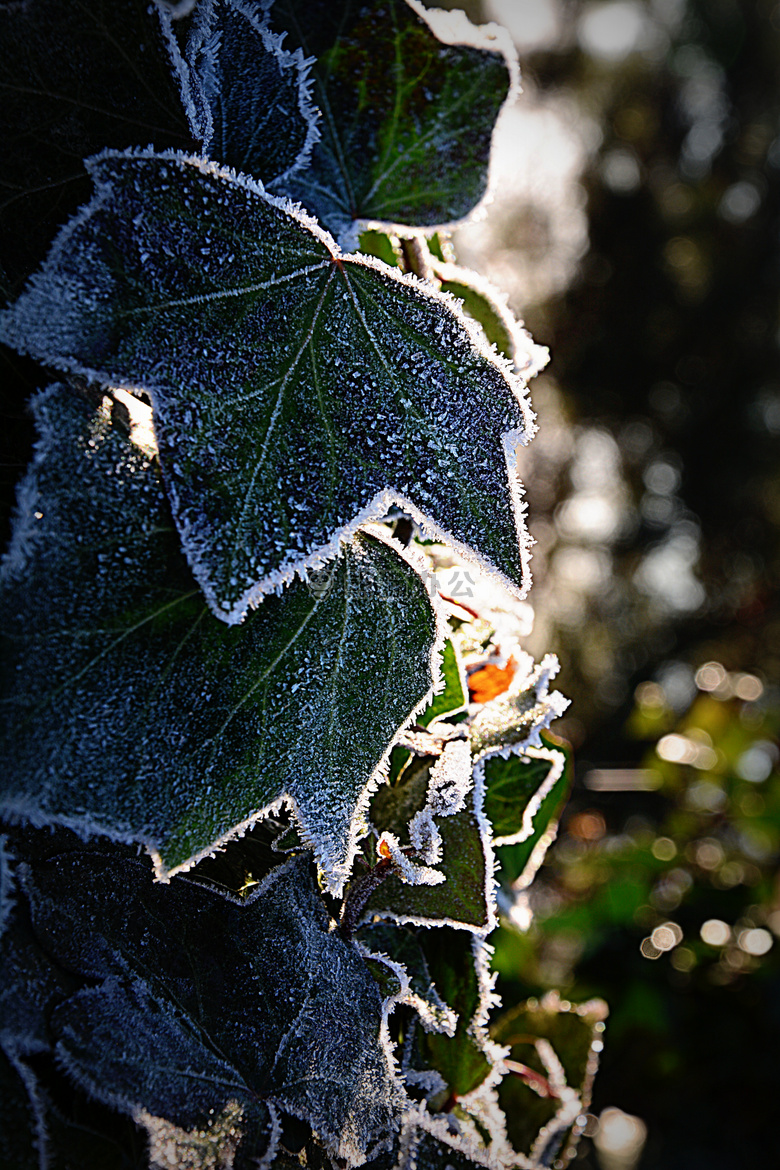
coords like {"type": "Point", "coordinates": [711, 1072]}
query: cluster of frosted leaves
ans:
{"type": "Point", "coordinates": [296, 393]}
{"type": "Point", "coordinates": [554, 1051]}
{"type": "Point", "coordinates": [247, 97]}
{"type": "Point", "coordinates": [127, 709]}
{"type": "Point", "coordinates": [204, 1019]}
{"type": "Point", "coordinates": [75, 78]}
{"type": "Point", "coordinates": [406, 120]}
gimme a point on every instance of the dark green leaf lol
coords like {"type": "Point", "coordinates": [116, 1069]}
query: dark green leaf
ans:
{"type": "Point", "coordinates": [128, 708]}
{"type": "Point", "coordinates": [75, 78]}
{"type": "Point", "coordinates": [402, 946]}
{"type": "Point", "coordinates": [458, 966]}
{"type": "Point", "coordinates": [482, 302]}
{"type": "Point", "coordinates": [249, 97]}
{"type": "Point", "coordinates": [535, 813]}
{"type": "Point", "coordinates": [465, 898]}
{"type": "Point", "coordinates": [296, 393]}
{"type": "Point", "coordinates": [197, 1003]}
{"type": "Point", "coordinates": [453, 698]}
{"type": "Point", "coordinates": [554, 1054]}
{"type": "Point", "coordinates": [406, 120]}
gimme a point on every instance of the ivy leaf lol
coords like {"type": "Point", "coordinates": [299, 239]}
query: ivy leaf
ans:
{"type": "Point", "coordinates": [301, 1030]}
{"type": "Point", "coordinates": [128, 709]}
{"type": "Point", "coordinates": [19, 1136]}
{"type": "Point", "coordinates": [554, 1047]}
{"type": "Point", "coordinates": [528, 791]}
{"type": "Point", "coordinates": [517, 718]}
{"type": "Point", "coordinates": [464, 854]}
{"type": "Point", "coordinates": [458, 965]}
{"type": "Point", "coordinates": [297, 393]}
{"type": "Point", "coordinates": [453, 697]}
{"type": "Point", "coordinates": [248, 98]}
{"type": "Point", "coordinates": [402, 946]}
{"type": "Point", "coordinates": [406, 120]}
{"type": "Point", "coordinates": [74, 79]}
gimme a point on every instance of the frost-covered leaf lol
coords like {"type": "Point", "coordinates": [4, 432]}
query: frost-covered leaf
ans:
{"type": "Point", "coordinates": [448, 819]}
{"type": "Point", "coordinates": [406, 120]}
{"type": "Point", "coordinates": [127, 708]}
{"type": "Point", "coordinates": [247, 96]}
{"type": "Point", "coordinates": [489, 308]}
{"type": "Point", "coordinates": [296, 393]}
{"type": "Point", "coordinates": [458, 965]}
{"type": "Point", "coordinates": [517, 718]}
{"type": "Point", "coordinates": [402, 946]}
{"type": "Point", "coordinates": [554, 1052]}
{"type": "Point", "coordinates": [75, 78]}
{"type": "Point", "coordinates": [529, 791]}
{"type": "Point", "coordinates": [195, 1003]}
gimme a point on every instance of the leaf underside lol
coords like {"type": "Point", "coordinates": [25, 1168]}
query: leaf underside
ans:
{"type": "Point", "coordinates": [294, 392]}
{"type": "Point", "coordinates": [406, 120]}
{"type": "Point", "coordinates": [128, 709]}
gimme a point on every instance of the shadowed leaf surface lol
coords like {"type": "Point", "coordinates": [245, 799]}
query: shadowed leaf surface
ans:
{"type": "Point", "coordinates": [127, 707]}
{"type": "Point", "coordinates": [250, 95]}
{"type": "Point", "coordinates": [294, 392]}
{"type": "Point", "coordinates": [75, 78]}
{"type": "Point", "coordinates": [196, 1003]}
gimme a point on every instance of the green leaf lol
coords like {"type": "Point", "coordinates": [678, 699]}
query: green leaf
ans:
{"type": "Point", "coordinates": [296, 393]}
{"type": "Point", "coordinates": [554, 1047]}
{"type": "Point", "coordinates": [248, 97]}
{"type": "Point", "coordinates": [464, 855]}
{"type": "Point", "coordinates": [488, 307]}
{"type": "Point", "coordinates": [402, 946]}
{"type": "Point", "coordinates": [406, 120]}
{"type": "Point", "coordinates": [517, 718]}
{"type": "Point", "coordinates": [535, 811]}
{"type": "Point", "coordinates": [74, 78]}
{"type": "Point", "coordinates": [453, 697]}
{"type": "Point", "coordinates": [128, 709]}
{"type": "Point", "coordinates": [156, 1034]}
{"type": "Point", "coordinates": [459, 967]}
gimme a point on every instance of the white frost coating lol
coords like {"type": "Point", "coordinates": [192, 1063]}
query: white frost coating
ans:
{"type": "Point", "coordinates": [425, 837]}
{"type": "Point", "coordinates": [167, 13]}
{"type": "Point", "coordinates": [428, 1080]}
{"type": "Point", "coordinates": [483, 1106]}
{"type": "Point", "coordinates": [203, 52]}
{"type": "Point", "coordinates": [557, 764]}
{"type": "Point", "coordinates": [419, 1121]}
{"type": "Point", "coordinates": [388, 845]}
{"type": "Point", "coordinates": [450, 779]}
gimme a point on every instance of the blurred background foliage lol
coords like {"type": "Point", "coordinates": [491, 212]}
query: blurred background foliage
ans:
{"type": "Point", "coordinates": [636, 227]}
